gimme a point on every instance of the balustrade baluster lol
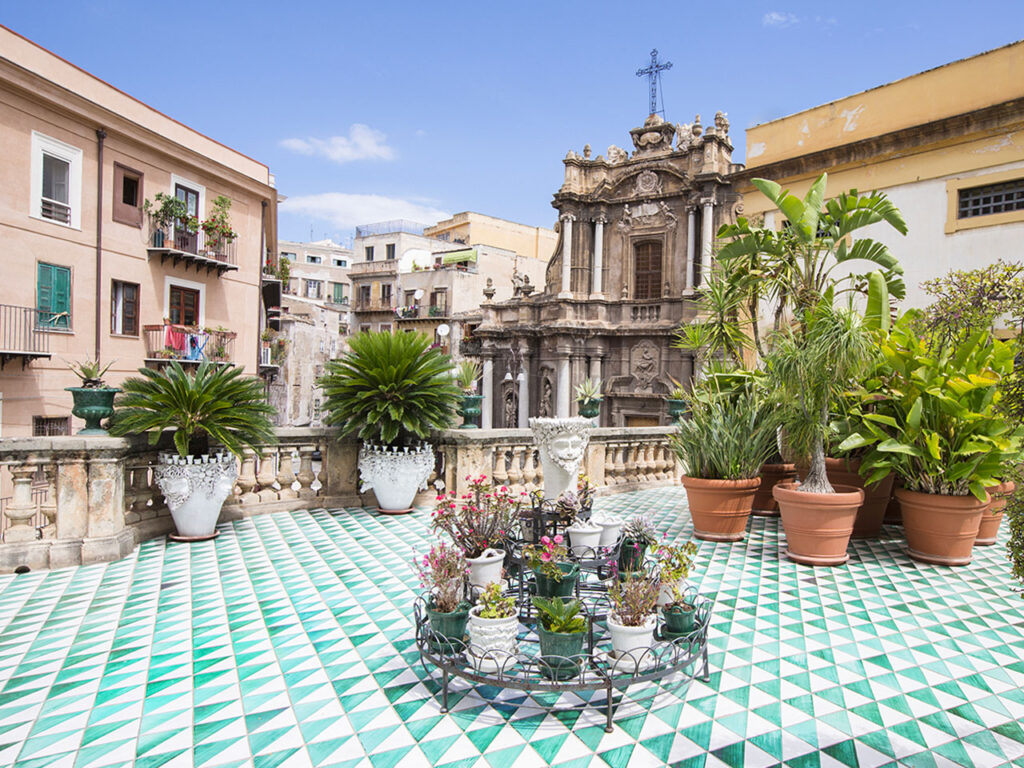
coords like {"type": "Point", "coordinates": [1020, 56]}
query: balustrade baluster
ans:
{"type": "Point", "coordinates": [620, 463]}
{"type": "Point", "coordinates": [659, 461]}
{"type": "Point", "coordinates": [321, 476]}
{"type": "Point", "coordinates": [267, 476]}
{"type": "Point", "coordinates": [306, 475]}
{"type": "Point", "coordinates": [286, 474]}
{"type": "Point", "coordinates": [247, 478]}
{"type": "Point", "coordinates": [499, 472]}
{"type": "Point", "coordinates": [21, 508]}
{"type": "Point", "coordinates": [629, 462]}
{"type": "Point", "coordinates": [48, 506]}
{"type": "Point", "coordinates": [648, 463]}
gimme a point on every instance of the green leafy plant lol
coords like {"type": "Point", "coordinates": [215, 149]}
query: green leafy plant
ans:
{"type": "Point", "coordinates": [588, 391]}
{"type": "Point", "coordinates": [90, 372]}
{"type": "Point", "coordinates": [218, 226]}
{"type": "Point", "coordinates": [678, 391]}
{"type": "Point", "coordinates": [938, 426]}
{"type": "Point", "coordinates": [215, 400]}
{"type": "Point", "coordinates": [170, 211]}
{"type": "Point", "coordinates": [494, 605]}
{"type": "Point", "coordinates": [635, 598]}
{"type": "Point", "coordinates": [390, 387]}
{"type": "Point", "coordinates": [720, 329]}
{"type": "Point", "coordinates": [560, 615]}
{"type": "Point", "coordinates": [677, 599]}
{"type": "Point", "coordinates": [466, 374]}
{"type": "Point", "coordinates": [675, 561]}
{"type": "Point", "coordinates": [728, 436]}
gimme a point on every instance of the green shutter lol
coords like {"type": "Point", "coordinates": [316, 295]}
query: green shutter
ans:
{"type": "Point", "coordinates": [53, 296]}
{"type": "Point", "coordinates": [339, 292]}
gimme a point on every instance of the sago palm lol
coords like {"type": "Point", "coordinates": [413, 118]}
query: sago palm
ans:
{"type": "Point", "coordinates": [216, 400]}
{"type": "Point", "coordinates": [391, 388]}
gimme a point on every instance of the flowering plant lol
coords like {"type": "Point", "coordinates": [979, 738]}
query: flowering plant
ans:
{"type": "Point", "coordinates": [635, 598]}
{"type": "Point", "coordinates": [674, 561]}
{"type": "Point", "coordinates": [443, 572]}
{"type": "Point", "coordinates": [641, 531]}
{"type": "Point", "coordinates": [494, 604]}
{"type": "Point", "coordinates": [546, 557]}
{"type": "Point", "coordinates": [479, 519]}
{"type": "Point", "coordinates": [677, 599]}
{"type": "Point", "coordinates": [218, 226]}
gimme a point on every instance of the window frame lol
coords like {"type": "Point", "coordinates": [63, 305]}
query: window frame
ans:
{"type": "Point", "coordinates": [386, 302]}
{"type": "Point", "coordinates": [122, 212]}
{"type": "Point", "coordinates": [307, 283]}
{"type": "Point", "coordinates": [69, 327]}
{"type": "Point", "coordinates": [43, 144]}
{"type": "Point", "coordinates": [657, 286]}
{"type": "Point", "coordinates": [369, 252]}
{"type": "Point", "coordinates": [178, 282]}
{"type": "Point", "coordinates": [953, 186]}
{"type": "Point", "coordinates": [114, 331]}
{"type": "Point", "coordinates": [389, 251]}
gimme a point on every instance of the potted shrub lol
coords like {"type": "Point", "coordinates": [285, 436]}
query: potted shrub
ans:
{"type": "Point", "coordinates": [638, 533]}
{"type": "Point", "coordinates": [943, 435]}
{"type": "Point", "coordinates": [217, 228]}
{"type": "Point", "coordinates": [678, 612]}
{"type": "Point", "coordinates": [93, 401]}
{"type": "Point", "coordinates": [391, 389]}
{"type": "Point", "coordinates": [443, 574]}
{"type": "Point", "coordinates": [561, 630]}
{"type": "Point", "coordinates": [215, 402]}
{"type": "Point", "coordinates": [493, 626]}
{"type": "Point", "coordinates": [480, 526]}
{"type": "Point", "coordinates": [554, 574]}
{"type": "Point", "coordinates": [588, 398]}
{"type": "Point", "coordinates": [466, 375]}
{"type": "Point", "coordinates": [632, 620]}
{"type": "Point", "coordinates": [722, 445]}
{"type": "Point", "coordinates": [676, 401]}
{"type": "Point", "coordinates": [674, 564]}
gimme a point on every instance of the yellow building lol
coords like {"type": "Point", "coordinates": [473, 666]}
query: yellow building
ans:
{"type": "Point", "coordinates": [946, 145]}
{"type": "Point", "coordinates": [469, 228]}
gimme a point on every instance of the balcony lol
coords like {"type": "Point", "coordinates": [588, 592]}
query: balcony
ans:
{"type": "Point", "coordinates": [188, 345]}
{"type": "Point", "coordinates": [22, 334]}
{"type": "Point", "coordinates": [373, 306]}
{"type": "Point", "coordinates": [193, 249]}
{"type": "Point", "coordinates": [409, 313]}
{"type": "Point", "coordinates": [385, 266]}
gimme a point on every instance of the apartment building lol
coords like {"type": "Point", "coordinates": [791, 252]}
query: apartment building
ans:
{"type": "Point", "coordinates": [87, 272]}
{"type": "Point", "coordinates": [317, 270]}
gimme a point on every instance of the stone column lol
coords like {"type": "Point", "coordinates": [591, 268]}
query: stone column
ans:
{"type": "Point", "coordinates": [598, 283]}
{"type": "Point", "coordinates": [691, 248]}
{"type": "Point", "coordinates": [523, 419]}
{"type": "Point", "coordinates": [595, 368]}
{"type": "Point", "coordinates": [21, 509]}
{"type": "Point", "coordinates": [487, 412]}
{"type": "Point", "coordinates": [567, 220]}
{"type": "Point", "coordinates": [707, 236]}
{"type": "Point", "coordinates": [563, 398]}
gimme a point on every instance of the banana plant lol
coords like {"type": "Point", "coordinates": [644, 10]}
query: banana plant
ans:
{"type": "Point", "coordinates": [936, 422]}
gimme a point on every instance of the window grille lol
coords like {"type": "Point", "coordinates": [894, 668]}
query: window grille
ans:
{"type": "Point", "coordinates": [992, 198]}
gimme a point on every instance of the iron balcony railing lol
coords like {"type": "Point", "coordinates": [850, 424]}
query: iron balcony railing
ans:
{"type": "Point", "coordinates": [180, 240]}
{"type": "Point", "coordinates": [22, 330]}
{"type": "Point", "coordinates": [189, 345]}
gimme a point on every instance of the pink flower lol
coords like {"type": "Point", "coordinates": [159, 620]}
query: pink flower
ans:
{"type": "Point", "coordinates": [545, 540]}
{"type": "Point", "coordinates": [545, 556]}
{"type": "Point", "coordinates": [558, 539]}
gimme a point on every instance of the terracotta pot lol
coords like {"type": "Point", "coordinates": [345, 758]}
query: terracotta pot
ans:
{"type": "Point", "coordinates": [893, 513]}
{"type": "Point", "coordinates": [940, 529]}
{"type": "Point", "coordinates": [876, 498]}
{"type": "Point", "coordinates": [720, 508]}
{"type": "Point", "coordinates": [988, 530]}
{"type": "Point", "coordinates": [771, 475]}
{"type": "Point", "coordinates": [818, 525]}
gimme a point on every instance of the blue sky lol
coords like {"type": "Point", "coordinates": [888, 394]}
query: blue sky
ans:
{"type": "Point", "coordinates": [370, 111]}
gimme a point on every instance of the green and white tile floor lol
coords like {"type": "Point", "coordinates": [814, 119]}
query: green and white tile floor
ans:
{"type": "Point", "coordinates": [288, 641]}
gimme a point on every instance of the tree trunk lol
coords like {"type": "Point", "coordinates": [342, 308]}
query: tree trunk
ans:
{"type": "Point", "coordinates": [817, 475]}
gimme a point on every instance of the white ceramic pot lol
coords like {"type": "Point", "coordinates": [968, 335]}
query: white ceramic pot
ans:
{"type": "Point", "coordinates": [665, 593]}
{"type": "Point", "coordinates": [585, 538]}
{"type": "Point", "coordinates": [630, 643]}
{"type": "Point", "coordinates": [492, 642]}
{"type": "Point", "coordinates": [611, 527]}
{"type": "Point", "coordinates": [395, 474]}
{"type": "Point", "coordinates": [195, 488]}
{"type": "Point", "coordinates": [486, 569]}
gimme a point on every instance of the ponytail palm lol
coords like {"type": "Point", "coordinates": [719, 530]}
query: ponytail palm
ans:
{"type": "Point", "coordinates": [391, 388]}
{"type": "Point", "coordinates": [216, 400]}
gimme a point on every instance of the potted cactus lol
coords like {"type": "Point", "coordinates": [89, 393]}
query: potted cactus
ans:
{"type": "Point", "coordinates": [588, 398]}
{"type": "Point", "coordinates": [93, 401]}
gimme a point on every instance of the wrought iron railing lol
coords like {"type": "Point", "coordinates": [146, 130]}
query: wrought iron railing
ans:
{"type": "Point", "coordinates": [182, 343]}
{"type": "Point", "coordinates": [21, 330]}
{"type": "Point", "coordinates": [183, 241]}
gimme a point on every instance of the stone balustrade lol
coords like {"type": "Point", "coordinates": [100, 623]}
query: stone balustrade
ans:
{"type": "Point", "coordinates": [75, 500]}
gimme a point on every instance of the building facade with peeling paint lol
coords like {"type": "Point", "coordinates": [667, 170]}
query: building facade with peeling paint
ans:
{"type": "Point", "coordinates": [946, 145]}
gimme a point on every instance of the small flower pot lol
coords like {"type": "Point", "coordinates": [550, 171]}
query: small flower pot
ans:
{"type": "Point", "coordinates": [630, 643]}
{"type": "Point", "coordinates": [611, 527]}
{"type": "Point", "coordinates": [988, 531]}
{"type": "Point", "coordinates": [590, 410]}
{"type": "Point", "coordinates": [93, 405]}
{"type": "Point", "coordinates": [585, 538]}
{"type": "Point", "coordinates": [940, 529]}
{"type": "Point", "coordinates": [720, 508]}
{"type": "Point", "coordinates": [470, 411]}
{"type": "Point", "coordinates": [631, 555]}
{"type": "Point", "coordinates": [449, 628]}
{"type": "Point", "coordinates": [771, 475]}
{"type": "Point", "coordinates": [665, 592]}
{"type": "Point", "coordinates": [492, 642]}
{"type": "Point", "coordinates": [679, 620]}
{"type": "Point", "coordinates": [486, 569]}
{"type": "Point", "coordinates": [549, 587]}
{"type": "Point", "coordinates": [676, 408]}
{"type": "Point", "coordinates": [560, 653]}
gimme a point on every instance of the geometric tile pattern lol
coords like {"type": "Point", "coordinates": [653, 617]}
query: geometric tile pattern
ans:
{"type": "Point", "coordinates": [288, 641]}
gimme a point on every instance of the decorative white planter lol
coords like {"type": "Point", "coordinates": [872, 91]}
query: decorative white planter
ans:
{"type": "Point", "coordinates": [630, 643]}
{"type": "Point", "coordinates": [395, 474]}
{"type": "Point", "coordinates": [492, 641]}
{"type": "Point", "coordinates": [611, 526]}
{"type": "Point", "coordinates": [665, 593]}
{"type": "Point", "coordinates": [486, 569]}
{"type": "Point", "coordinates": [585, 538]}
{"type": "Point", "coordinates": [562, 443]}
{"type": "Point", "coordinates": [195, 488]}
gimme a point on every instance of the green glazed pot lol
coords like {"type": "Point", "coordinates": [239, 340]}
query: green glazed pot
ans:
{"type": "Point", "coordinates": [631, 555]}
{"type": "Point", "coordinates": [590, 409]}
{"type": "Point", "coordinates": [548, 587]}
{"type": "Point", "coordinates": [93, 404]}
{"type": "Point", "coordinates": [565, 644]}
{"type": "Point", "coordinates": [679, 620]}
{"type": "Point", "coordinates": [470, 411]}
{"type": "Point", "coordinates": [449, 626]}
{"type": "Point", "coordinates": [676, 408]}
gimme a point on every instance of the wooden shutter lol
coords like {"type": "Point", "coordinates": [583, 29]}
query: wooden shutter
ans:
{"type": "Point", "coordinates": [53, 296]}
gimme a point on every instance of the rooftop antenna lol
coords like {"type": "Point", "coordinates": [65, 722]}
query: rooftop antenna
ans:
{"type": "Point", "coordinates": [653, 74]}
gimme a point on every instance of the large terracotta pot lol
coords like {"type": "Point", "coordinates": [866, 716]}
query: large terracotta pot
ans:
{"type": "Point", "coordinates": [818, 525]}
{"type": "Point", "coordinates": [720, 508]}
{"type": "Point", "coordinates": [940, 529]}
{"type": "Point", "coordinates": [993, 515]}
{"type": "Point", "coordinates": [876, 497]}
{"type": "Point", "coordinates": [893, 513]}
{"type": "Point", "coordinates": [771, 475]}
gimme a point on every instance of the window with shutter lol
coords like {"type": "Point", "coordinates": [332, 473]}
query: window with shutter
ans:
{"type": "Point", "coordinates": [647, 270]}
{"type": "Point", "coordinates": [124, 301]}
{"type": "Point", "coordinates": [53, 296]}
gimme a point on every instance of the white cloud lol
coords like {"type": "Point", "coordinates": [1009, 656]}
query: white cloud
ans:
{"type": "Point", "coordinates": [346, 211]}
{"type": "Point", "coordinates": [362, 143]}
{"type": "Point", "coordinates": [778, 19]}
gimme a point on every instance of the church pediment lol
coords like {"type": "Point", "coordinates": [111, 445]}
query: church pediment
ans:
{"type": "Point", "coordinates": [659, 180]}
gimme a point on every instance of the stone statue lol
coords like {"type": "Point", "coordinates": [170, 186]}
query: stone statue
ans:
{"type": "Point", "coordinates": [562, 443]}
{"type": "Point", "coordinates": [722, 123]}
{"type": "Point", "coordinates": [489, 289]}
{"type": "Point", "coordinates": [627, 216]}
{"type": "Point", "coordinates": [527, 287]}
{"type": "Point", "coordinates": [586, 149]}
{"type": "Point", "coordinates": [616, 155]}
{"type": "Point", "coordinates": [684, 135]}
{"type": "Point", "coordinates": [544, 406]}
{"type": "Point", "coordinates": [667, 213]}
{"type": "Point", "coordinates": [511, 409]}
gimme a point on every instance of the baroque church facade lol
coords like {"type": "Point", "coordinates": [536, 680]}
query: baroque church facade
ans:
{"type": "Point", "coordinates": [635, 235]}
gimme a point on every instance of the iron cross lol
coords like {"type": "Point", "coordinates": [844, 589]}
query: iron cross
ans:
{"type": "Point", "coordinates": [653, 73]}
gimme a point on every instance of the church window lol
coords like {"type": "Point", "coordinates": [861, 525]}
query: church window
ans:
{"type": "Point", "coordinates": [647, 270]}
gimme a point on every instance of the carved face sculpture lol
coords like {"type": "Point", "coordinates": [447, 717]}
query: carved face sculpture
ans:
{"type": "Point", "coordinates": [566, 450]}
